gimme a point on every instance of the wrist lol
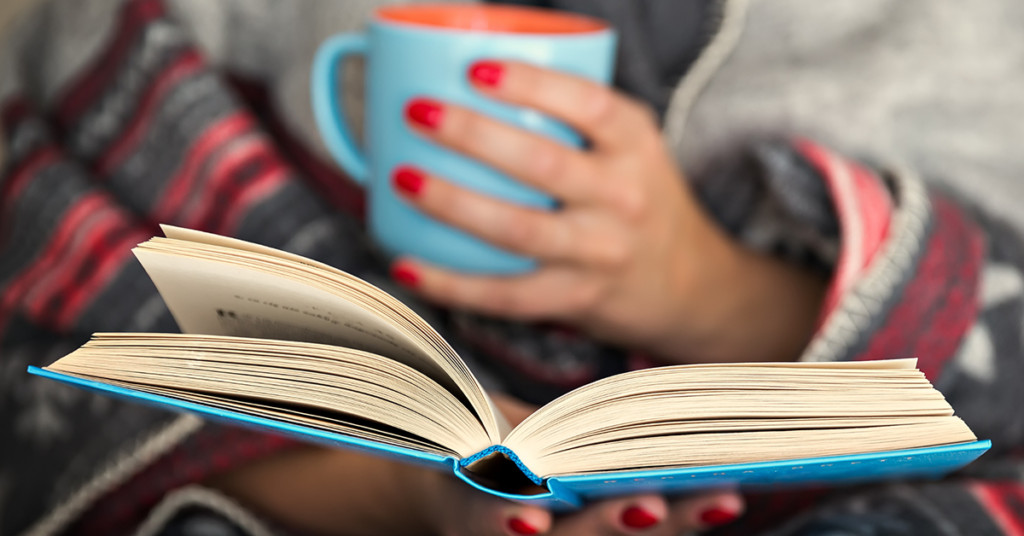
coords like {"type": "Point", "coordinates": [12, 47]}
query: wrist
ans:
{"type": "Point", "coordinates": [734, 304]}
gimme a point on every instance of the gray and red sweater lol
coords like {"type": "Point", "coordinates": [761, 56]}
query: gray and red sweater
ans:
{"type": "Point", "coordinates": [147, 124]}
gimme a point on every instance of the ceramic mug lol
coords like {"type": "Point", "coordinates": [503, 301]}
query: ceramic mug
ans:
{"type": "Point", "coordinates": [426, 51]}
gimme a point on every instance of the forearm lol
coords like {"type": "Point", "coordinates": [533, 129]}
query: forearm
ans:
{"type": "Point", "coordinates": [754, 308]}
{"type": "Point", "coordinates": [734, 304]}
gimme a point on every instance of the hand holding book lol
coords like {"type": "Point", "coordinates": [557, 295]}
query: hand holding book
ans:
{"type": "Point", "coordinates": [312, 490]}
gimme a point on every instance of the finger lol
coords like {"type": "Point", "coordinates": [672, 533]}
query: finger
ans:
{"type": "Point", "coordinates": [551, 293]}
{"type": "Point", "coordinates": [706, 511]}
{"type": "Point", "coordinates": [565, 173]}
{"type": "Point", "coordinates": [526, 520]}
{"type": "Point", "coordinates": [582, 237]}
{"type": "Point", "coordinates": [460, 510]}
{"type": "Point", "coordinates": [527, 231]}
{"type": "Point", "coordinates": [642, 514]}
{"type": "Point", "coordinates": [607, 118]}
{"type": "Point", "coordinates": [490, 516]}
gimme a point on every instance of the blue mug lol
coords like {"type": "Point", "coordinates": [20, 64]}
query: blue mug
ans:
{"type": "Point", "coordinates": [425, 51]}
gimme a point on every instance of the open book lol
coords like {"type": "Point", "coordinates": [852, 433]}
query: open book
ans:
{"type": "Point", "coordinates": [283, 343]}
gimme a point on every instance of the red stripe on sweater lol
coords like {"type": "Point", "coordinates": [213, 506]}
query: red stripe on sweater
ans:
{"type": "Point", "coordinates": [77, 298]}
{"type": "Point", "coordinates": [325, 178]}
{"type": "Point", "coordinates": [259, 189]}
{"type": "Point", "coordinates": [186, 64]}
{"type": "Point", "coordinates": [864, 208]}
{"type": "Point", "coordinates": [22, 174]}
{"type": "Point", "coordinates": [939, 304]}
{"type": "Point", "coordinates": [12, 188]}
{"type": "Point", "coordinates": [83, 92]}
{"type": "Point", "coordinates": [75, 219]}
{"type": "Point", "coordinates": [240, 159]}
{"type": "Point", "coordinates": [233, 197]}
{"type": "Point", "coordinates": [98, 251]}
{"type": "Point", "coordinates": [182, 185]}
{"type": "Point", "coordinates": [1013, 498]}
{"type": "Point", "coordinates": [1004, 502]}
{"type": "Point", "coordinates": [85, 247]}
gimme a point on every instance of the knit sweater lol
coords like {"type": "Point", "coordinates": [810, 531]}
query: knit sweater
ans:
{"type": "Point", "coordinates": [121, 114]}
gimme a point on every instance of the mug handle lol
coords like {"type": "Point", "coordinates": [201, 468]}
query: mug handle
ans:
{"type": "Point", "coordinates": [327, 105]}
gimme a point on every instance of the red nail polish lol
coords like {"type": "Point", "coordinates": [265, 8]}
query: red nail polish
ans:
{"type": "Point", "coordinates": [717, 516]}
{"type": "Point", "coordinates": [519, 526]}
{"type": "Point", "coordinates": [408, 180]}
{"type": "Point", "coordinates": [637, 518]}
{"type": "Point", "coordinates": [424, 112]}
{"type": "Point", "coordinates": [405, 275]}
{"type": "Point", "coordinates": [487, 73]}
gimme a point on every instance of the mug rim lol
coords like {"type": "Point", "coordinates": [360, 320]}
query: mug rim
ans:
{"type": "Point", "coordinates": [469, 17]}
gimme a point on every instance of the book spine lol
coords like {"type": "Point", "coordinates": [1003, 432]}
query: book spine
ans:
{"type": "Point", "coordinates": [557, 498]}
{"type": "Point", "coordinates": [501, 449]}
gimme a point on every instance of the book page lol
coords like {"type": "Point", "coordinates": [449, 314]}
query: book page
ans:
{"type": "Point", "coordinates": [713, 414]}
{"type": "Point", "coordinates": [906, 363]}
{"type": "Point", "coordinates": [213, 289]}
{"type": "Point", "coordinates": [493, 418]}
{"type": "Point", "coordinates": [358, 393]}
{"type": "Point", "coordinates": [206, 298]}
{"type": "Point", "coordinates": [710, 449]}
{"type": "Point", "coordinates": [199, 237]}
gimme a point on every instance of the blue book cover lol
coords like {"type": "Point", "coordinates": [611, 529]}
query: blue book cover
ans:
{"type": "Point", "coordinates": [569, 492]}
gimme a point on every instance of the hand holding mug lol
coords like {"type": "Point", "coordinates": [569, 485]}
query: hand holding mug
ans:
{"type": "Point", "coordinates": [424, 50]}
{"type": "Point", "coordinates": [629, 255]}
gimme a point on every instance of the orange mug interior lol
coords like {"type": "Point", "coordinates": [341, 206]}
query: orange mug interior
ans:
{"type": "Point", "coordinates": [491, 18]}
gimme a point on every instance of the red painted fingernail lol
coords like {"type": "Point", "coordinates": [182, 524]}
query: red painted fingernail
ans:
{"type": "Point", "coordinates": [717, 516]}
{"type": "Point", "coordinates": [519, 526]}
{"type": "Point", "coordinates": [409, 180]}
{"type": "Point", "coordinates": [487, 73]}
{"type": "Point", "coordinates": [405, 275]}
{"type": "Point", "coordinates": [637, 518]}
{"type": "Point", "coordinates": [424, 112]}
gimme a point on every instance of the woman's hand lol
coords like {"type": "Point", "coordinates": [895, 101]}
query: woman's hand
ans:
{"type": "Point", "coordinates": [335, 492]}
{"type": "Point", "coordinates": [629, 257]}
{"type": "Point", "coordinates": [455, 509]}
{"type": "Point", "coordinates": [327, 491]}
{"type": "Point", "coordinates": [458, 509]}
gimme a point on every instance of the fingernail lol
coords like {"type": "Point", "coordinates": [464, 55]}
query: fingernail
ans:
{"type": "Point", "coordinates": [408, 180]}
{"type": "Point", "coordinates": [487, 73]}
{"type": "Point", "coordinates": [717, 516]}
{"type": "Point", "coordinates": [637, 518]}
{"type": "Point", "coordinates": [424, 112]}
{"type": "Point", "coordinates": [405, 275]}
{"type": "Point", "coordinates": [519, 526]}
